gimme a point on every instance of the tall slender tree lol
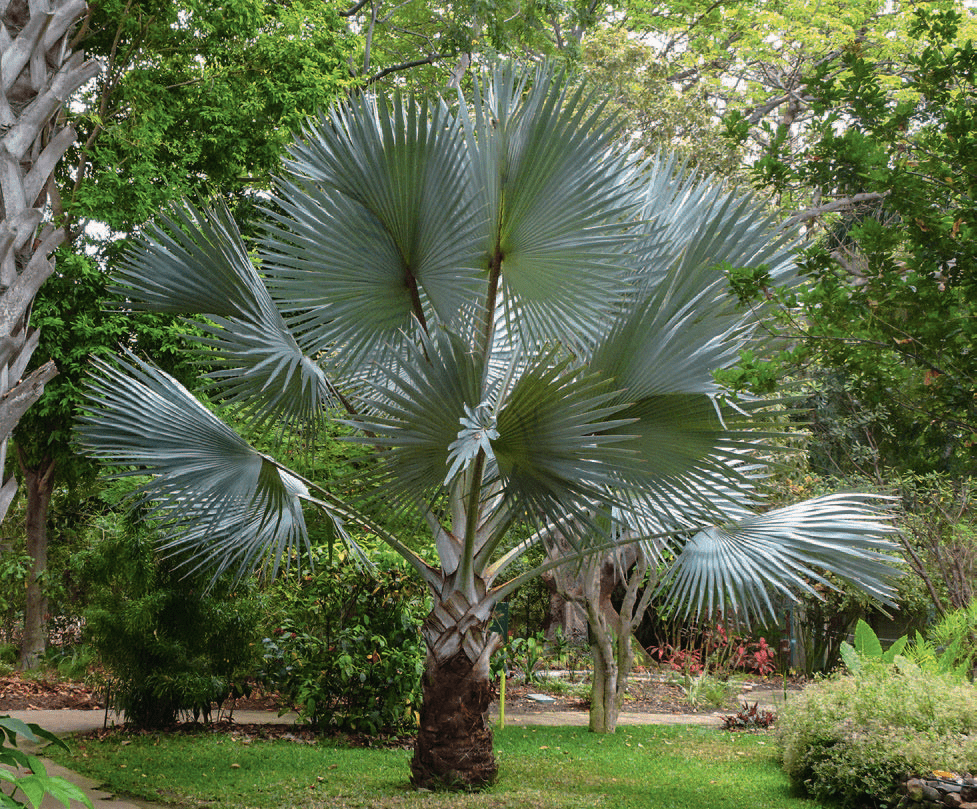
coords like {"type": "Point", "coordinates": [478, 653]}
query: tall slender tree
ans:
{"type": "Point", "coordinates": [522, 323]}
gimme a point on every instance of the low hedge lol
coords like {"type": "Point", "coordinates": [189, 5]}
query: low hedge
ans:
{"type": "Point", "coordinates": [851, 738]}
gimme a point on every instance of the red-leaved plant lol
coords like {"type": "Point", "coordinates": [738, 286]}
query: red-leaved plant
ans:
{"type": "Point", "coordinates": [719, 653]}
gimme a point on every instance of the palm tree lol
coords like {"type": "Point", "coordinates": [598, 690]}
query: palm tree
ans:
{"type": "Point", "coordinates": [521, 322]}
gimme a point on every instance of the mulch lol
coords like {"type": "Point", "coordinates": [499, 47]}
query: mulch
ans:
{"type": "Point", "coordinates": [644, 696]}
{"type": "Point", "coordinates": [19, 693]}
{"type": "Point", "coordinates": [31, 693]}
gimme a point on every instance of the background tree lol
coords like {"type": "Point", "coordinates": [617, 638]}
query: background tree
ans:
{"type": "Point", "coordinates": [589, 585]}
{"type": "Point", "coordinates": [195, 98]}
{"type": "Point", "coordinates": [75, 326]}
{"type": "Point", "coordinates": [523, 323]}
{"type": "Point", "coordinates": [886, 322]}
{"type": "Point", "coordinates": [40, 71]}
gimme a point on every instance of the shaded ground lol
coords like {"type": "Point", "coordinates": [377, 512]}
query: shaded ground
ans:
{"type": "Point", "coordinates": [19, 693]}
{"type": "Point", "coordinates": [645, 695]}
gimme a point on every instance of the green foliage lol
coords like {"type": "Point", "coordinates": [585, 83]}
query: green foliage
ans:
{"type": "Point", "coordinates": [526, 655]}
{"type": "Point", "coordinates": [940, 535]}
{"type": "Point", "coordinates": [868, 649]}
{"type": "Point", "coordinates": [955, 636]}
{"type": "Point", "coordinates": [705, 690]}
{"type": "Point", "coordinates": [72, 662]}
{"type": "Point", "coordinates": [886, 316]}
{"type": "Point", "coordinates": [76, 325]}
{"type": "Point", "coordinates": [37, 783]}
{"type": "Point", "coordinates": [953, 657]}
{"type": "Point", "coordinates": [851, 737]}
{"type": "Point", "coordinates": [346, 649]}
{"type": "Point", "coordinates": [197, 96]}
{"type": "Point", "coordinates": [168, 645]}
{"type": "Point", "coordinates": [663, 116]}
{"type": "Point", "coordinates": [15, 566]}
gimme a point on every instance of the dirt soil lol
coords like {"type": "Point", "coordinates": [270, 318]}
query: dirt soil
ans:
{"type": "Point", "coordinates": [32, 693]}
{"type": "Point", "coordinates": [18, 693]}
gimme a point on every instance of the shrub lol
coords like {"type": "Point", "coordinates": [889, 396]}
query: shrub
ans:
{"type": "Point", "coordinates": [749, 717]}
{"type": "Point", "coordinates": [717, 652]}
{"type": "Point", "coordinates": [705, 690]}
{"type": "Point", "coordinates": [169, 645]}
{"type": "Point", "coordinates": [957, 630]}
{"type": "Point", "coordinates": [347, 651]}
{"type": "Point", "coordinates": [526, 656]}
{"type": "Point", "coordinates": [851, 738]}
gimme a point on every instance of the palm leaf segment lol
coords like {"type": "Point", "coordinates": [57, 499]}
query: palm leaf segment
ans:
{"type": "Point", "coordinates": [527, 324]}
{"type": "Point", "coordinates": [207, 486]}
{"type": "Point", "coordinates": [195, 262]}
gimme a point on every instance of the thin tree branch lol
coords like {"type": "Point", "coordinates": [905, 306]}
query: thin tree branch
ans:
{"type": "Point", "coordinates": [351, 11]}
{"type": "Point", "coordinates": [834, 205]}
{"type": "Point", "coordinates": [428, 60]}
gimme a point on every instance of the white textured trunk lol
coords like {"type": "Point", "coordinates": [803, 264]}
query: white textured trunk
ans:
{"type": "Point", "coordinates": [590, 586]}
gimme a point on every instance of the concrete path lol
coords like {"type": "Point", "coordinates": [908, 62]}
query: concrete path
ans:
{"type": "Point", "coordinates": [67, 723]}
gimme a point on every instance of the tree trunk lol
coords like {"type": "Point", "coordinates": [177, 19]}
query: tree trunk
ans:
{"type": "Point", "coordinates": [39, 75]}
{"type": "Point", "coordinates": [40, 488]}
{"type": "Point", "coordinates": [605, 702]}
{"type": "Point", "coordinates": [454, 741]}
{"type": "Point", "coordinates": [561, 612]}
{"type": "Point", "coordinates": [612, 657]}
{"type": "Point", "coordinates": [591, 586]}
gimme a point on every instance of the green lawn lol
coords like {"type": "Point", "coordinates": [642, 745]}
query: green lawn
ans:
{"type": "Point", "coordinates": [565, 768]}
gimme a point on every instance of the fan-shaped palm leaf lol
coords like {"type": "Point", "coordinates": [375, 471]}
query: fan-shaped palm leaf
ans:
{"type": "Point", "coordinates": [377, 230]}
{"type": "Point", "coordinates": [732, 568]}
{"type": "Point", "coordinates": [559, 198]}
{"type": "Point", "coordinates": [195, 262]}
{"type": "Point", "coordinates": [227, 504]}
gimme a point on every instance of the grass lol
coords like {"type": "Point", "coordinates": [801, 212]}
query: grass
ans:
{"type": "Point", "coordinates": [652, 767]}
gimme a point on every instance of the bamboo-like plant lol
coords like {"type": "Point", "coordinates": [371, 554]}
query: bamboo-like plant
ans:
{"type": "Point", "coordinates": [522, 324]}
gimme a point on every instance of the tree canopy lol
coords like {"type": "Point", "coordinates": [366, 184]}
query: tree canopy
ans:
{"type": "Point", "coordinates": [886, 321]}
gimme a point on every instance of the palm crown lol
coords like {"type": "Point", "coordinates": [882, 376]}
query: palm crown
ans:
{"type": "Point", "coordinates": [519, 319]}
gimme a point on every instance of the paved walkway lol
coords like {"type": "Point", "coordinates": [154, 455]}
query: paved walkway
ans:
{"type": "Point", "coordinates": [68, 723]}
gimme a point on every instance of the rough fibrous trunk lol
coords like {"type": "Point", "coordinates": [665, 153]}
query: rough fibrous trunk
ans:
{"type": "Point", "coordinates": [454, 740]}
{"type": "Point", "coordinates": [39, 75]}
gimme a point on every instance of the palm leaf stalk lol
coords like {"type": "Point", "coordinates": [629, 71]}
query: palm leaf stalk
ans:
{"type": "Point", "coordinates": [521, 322]}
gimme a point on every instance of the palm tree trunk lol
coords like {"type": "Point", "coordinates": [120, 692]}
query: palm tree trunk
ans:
{"type": "Point", "coordinates": [454, 740]}
{"type": "Point", "coordinates": [39, 74]}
